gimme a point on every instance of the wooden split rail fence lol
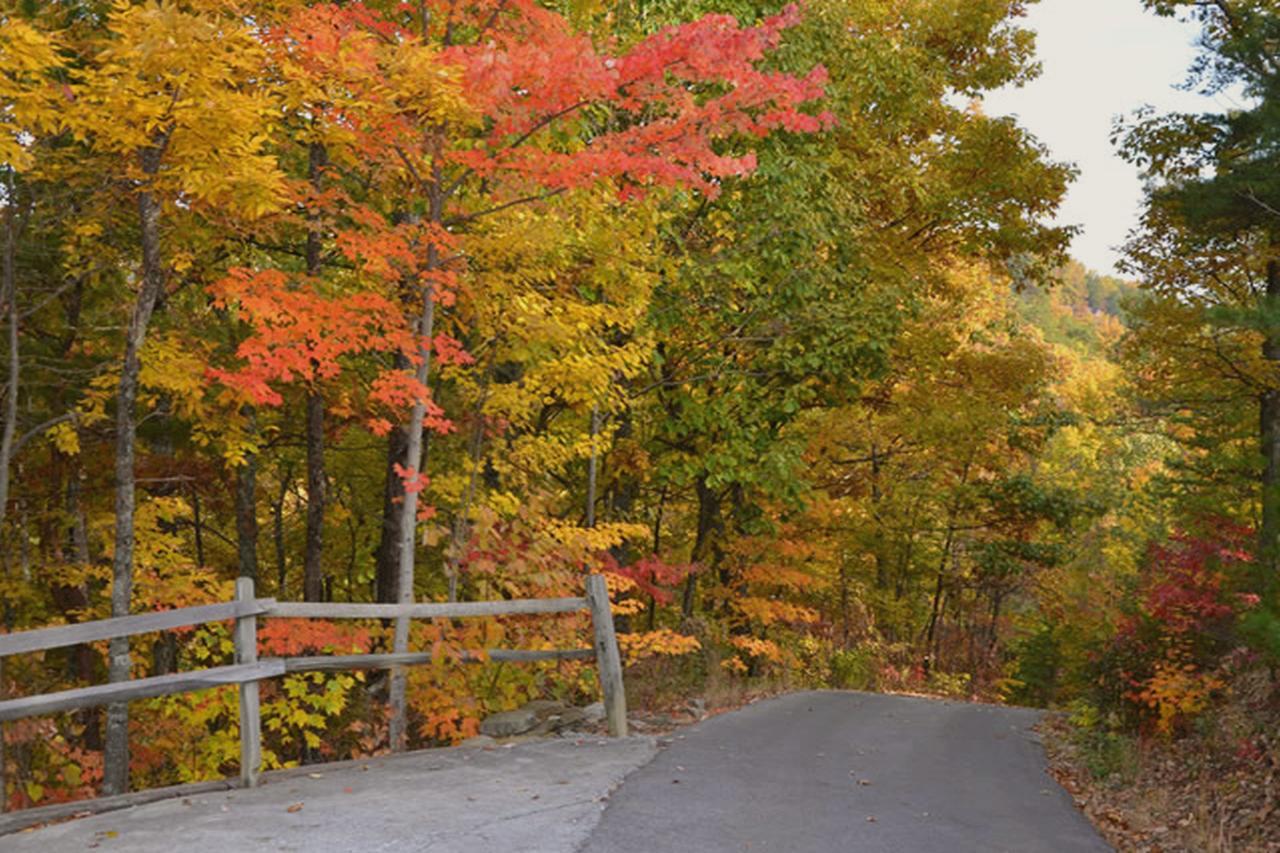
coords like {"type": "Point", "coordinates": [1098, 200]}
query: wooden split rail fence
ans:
{"type": "Point", "coordinates": [248, 670]}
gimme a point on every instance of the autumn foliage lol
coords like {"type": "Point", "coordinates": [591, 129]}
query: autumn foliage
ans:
{"type": "Point", "coordinates": [753, 309]}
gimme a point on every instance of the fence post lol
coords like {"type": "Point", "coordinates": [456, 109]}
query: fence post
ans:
{"type": "Point", "coordinates": [4, 780]}
{"type": "Point", "coordinates": [250, 719]}
{"type": "Point", "coordinates": [608, 661]}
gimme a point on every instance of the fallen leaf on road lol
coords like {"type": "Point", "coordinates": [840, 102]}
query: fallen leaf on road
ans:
{"type": "Point", "coordinates": [348, 790]}
{"type": "Point", "coordinates": [315, 775]}
{"type": "Point", "coordinates": [296, 807]}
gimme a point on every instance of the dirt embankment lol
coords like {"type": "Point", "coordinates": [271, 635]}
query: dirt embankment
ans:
{"type": "Point", "coordinates": [1214, 790]}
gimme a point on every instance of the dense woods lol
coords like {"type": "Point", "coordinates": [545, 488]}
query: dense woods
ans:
{"type": "Point", "coordinates": [751, 306]}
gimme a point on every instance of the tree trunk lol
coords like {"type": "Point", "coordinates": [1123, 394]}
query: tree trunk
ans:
{"type": "Point", "coordinates": [85, 656]}
{"type": "Point", "coordinates": [9, 290]}
{"type": "Point", "coordinates": [844, 600]}
{"type": "Point", "coordinates": [197, 524]}
{"type": "Point", "coordinates": [706, 543]}
{"type": "Point", "coordinates": [9, 295]}
{"type": "Point", "coordinates": [387, 568]}
{"type": "Point", "coordinates": [1269, 434]}
{"type": "Point", "coordinates": [317, 485]}
{"type": "Point", "coordinates": [116, 757]}
{"type": "Point", "coordinates": [593, 467]}
{"type": "Point", "coordinates": [461, 529]}
{"type": "Point", "coordinates": [414, 463]}
{"type": "Point", "coordinates": [246, 487]}
{"type": "Point", "coordinates": [277, 534]}
{"type": "Point", "coordinates": [312, 566]}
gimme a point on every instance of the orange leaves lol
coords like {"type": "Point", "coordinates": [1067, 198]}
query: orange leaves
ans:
{"type": "Point", "coordinates": [300, 335]}
{"type": "Point", "coordinates": [293, 637]}
{"type": "Point", "coordinates": [449, 350]}
{"type": "Point", "coordinates": [414, 116]}
{"type": "Point", "coordinates": [414, 482]}
{"type": "Point", "coordinates": [755, 647]}
{"type": "Point", "coordinates": [400, 391]}
{"type": "Point", "coordinates": [1175, 694]}
{"type": "Point", "coordinates": [767, 611]}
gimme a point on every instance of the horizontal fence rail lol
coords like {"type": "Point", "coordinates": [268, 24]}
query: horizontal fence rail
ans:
{"type": "Point", "coordinates": [342, 663]}
{"type": "Point", "coordinates": [128, 626]}
{"type": "Point", "coordinates": [248, 670]}
{"type": "Point", "coordinates": [139, 688]}
{"type": "Point", "coordinates": [454, 610]}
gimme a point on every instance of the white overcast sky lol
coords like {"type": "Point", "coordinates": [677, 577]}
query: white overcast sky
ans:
{"type": "Point", "coordinates": [1101, 58]}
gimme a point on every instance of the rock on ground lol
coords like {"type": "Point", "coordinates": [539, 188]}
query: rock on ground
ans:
{"type": "Point", "coordinates": [509, 723]}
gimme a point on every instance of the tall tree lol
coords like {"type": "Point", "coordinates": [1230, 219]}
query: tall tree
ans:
{"type": "Point", "coordinates": [163, 92]}
{"type": "Point", "coordinates": [1214, 181]}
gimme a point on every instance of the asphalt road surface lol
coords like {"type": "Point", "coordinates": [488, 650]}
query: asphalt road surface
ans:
{"type": "Point", "coordinates": [819, 772]}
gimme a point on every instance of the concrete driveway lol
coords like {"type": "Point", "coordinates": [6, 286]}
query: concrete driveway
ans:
{"type": "Point", "coordinates": [541, 796]}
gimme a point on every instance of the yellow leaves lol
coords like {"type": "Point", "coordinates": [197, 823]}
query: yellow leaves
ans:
{"type": "Point", "coordinates": [619, 586]}
{"type": "Point", "coordinates": [181, 83]}
{"type": "Point", "coordinates": [66, 438]}
{"type": "Point", "coordinates": [237, 448]}
{"type": "Point", "coordinates": [602, 537]}
{"type": "Point", "coordinates": [172, 370]}
{"type": "Point", "coordinates": [425, 88]}
{"type": "Point", "coordinates": [362, 95]}
{"type": "Point", "coordinates": [663, 642]}
{"type": "Point", "coordinates": [28, 100]}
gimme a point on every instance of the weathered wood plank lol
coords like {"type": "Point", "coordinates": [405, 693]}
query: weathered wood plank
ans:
{"type": "Point", "coordinates": [124, 626]}
{"type": "Point", "coordinates": [532, 655]}
{"type": "Point", "coordinates": [140, 688]}
{"type": "Point", "coordinates": [250, 718]}
{"type": "Point", "coordinates": [345, 663]}
{"type": "Point", "coordinates": [608, 659]}
{"type": "Point", "coordinates": [451, 610]}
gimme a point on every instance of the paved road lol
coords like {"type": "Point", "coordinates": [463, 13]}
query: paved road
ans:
{"type": "Point", "coordinates": [805, 773]}
{"type": "Point", "coordinates": [827, 772]}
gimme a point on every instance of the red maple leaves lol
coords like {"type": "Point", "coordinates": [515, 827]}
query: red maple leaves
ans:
{"type": "Point", "coordinates": [672, 98]}
{"type": "Point", "coordinates": [525, 107]}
